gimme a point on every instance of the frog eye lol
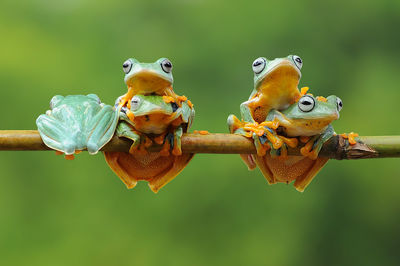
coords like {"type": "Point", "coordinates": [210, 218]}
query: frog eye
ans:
{"type": "Point", "coordinates": [127, 66]}
{"type": "Point", "coordinates": [166, 65]}
{"type": "Point", "coordinates": [297, 60]}
{"type": "Point", "coordinates": [135, 103]}
{"type": "Point", "coordinates": [339, 104]}
{"type": "Point", "coordinates": [306, 103]}
{"type": "Point", "coordinates": [259, 65]}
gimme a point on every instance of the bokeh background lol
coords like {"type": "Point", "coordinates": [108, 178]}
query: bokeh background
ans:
{"type": "Point", "coordinates": [216, 212]}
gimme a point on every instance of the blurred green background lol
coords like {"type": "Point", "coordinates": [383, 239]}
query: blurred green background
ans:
{"type": "Point", "coordinates": [216, 212]}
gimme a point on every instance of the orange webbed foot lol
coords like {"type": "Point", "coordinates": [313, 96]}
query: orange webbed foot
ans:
{"type": "Point", "coordinates": [130, 115]}
{"type": "Point", "coordinates": [69, 157]}
{"type": "Point", "coordinates": [201, 132]}
{"type": "Point", "coordinates": [350, 137]}
{"type": "Point", "coordinates": [165, 149]}
{"type": "Point", "coordinates": [168, 99]}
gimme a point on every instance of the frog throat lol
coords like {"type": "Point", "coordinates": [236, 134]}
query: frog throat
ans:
{"type": "Point", "coordinates": [147, 82]}
{"type": "Point", "coordinates": [283, 75]}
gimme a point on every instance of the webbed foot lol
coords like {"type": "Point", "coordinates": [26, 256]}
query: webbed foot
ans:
{"type": "Point", "coordinates": [171, 142]}
{"type": "Point", "coordinates": [351, 137]}
{"type": "Point", "coordinates": [314, 144]}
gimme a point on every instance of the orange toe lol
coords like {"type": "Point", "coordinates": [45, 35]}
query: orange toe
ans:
{"type": "Point", "coordinates": [69, 157]}
{"type": "Point", "coordinates": [168, 99]}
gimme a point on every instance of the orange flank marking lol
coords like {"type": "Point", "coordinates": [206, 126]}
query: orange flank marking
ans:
{"type": "Point", "coordinates": [59, 153]}
{"type": "Point", "coordinates": [190, 104]}
{"type": "Point", "coordinates": [69, 157]}
{"type": "Point", "coordinates": [351, 137]}
{"type": "Point", "coordinates": [168, 99]}
{"type": "Point", "coordinates": [322, 99]}
{"type": "Point", "coordinates": [78, 151]}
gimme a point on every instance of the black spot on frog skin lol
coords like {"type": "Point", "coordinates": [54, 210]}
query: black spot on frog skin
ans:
{"type": "Point", "coordinates": [174, 107]}
{"type": "Point", "coordinates": [147, 118]}
{"type": "Point", "coordinates": [124, 109]}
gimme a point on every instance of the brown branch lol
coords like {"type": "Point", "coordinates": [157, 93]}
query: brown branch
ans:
{"type": "Point", "coordinates": [336, 148]}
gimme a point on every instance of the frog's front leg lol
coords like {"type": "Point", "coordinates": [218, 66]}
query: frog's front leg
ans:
{"type": "Point", "coordinates": [171, 96]}
{"type": "Point", "coordinates": [101, 128]}
{"type": "Point", "coordinates": [170, 140]}
{"type": "Point", "coordinates": [314, 145]}
{"type": "Point", "coordinates": [56, 135]}
{"type": "Point", "coordinates": [246, 112]}
{"type": "Point", "coordinates": [139, 140]}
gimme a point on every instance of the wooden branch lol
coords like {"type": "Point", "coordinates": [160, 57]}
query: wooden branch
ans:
{"type": "Point", "coordinates": [336, 148]}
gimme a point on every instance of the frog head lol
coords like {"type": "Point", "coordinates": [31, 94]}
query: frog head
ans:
{"type": "Point", "coordinates": [147, 78]}
{"type": "Point", "coordinates": [282, 73]}
{"type": "Point", "coordinates": [310, 116]}
{"type": "Point", "coordinates": [152, 104]}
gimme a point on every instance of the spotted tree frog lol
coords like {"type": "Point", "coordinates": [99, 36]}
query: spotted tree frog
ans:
{"type": "Point", "coordinates": [309, 119]}
{"type": "Point", "coordinates": [275, 87]}
{"type": "Point", "coordinates": [150, 112]}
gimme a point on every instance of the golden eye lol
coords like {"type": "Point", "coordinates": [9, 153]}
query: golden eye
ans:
{"type": "Point", "coordinates": [259, 65]}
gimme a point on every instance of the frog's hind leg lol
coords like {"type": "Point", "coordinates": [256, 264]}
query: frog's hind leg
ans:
{"type": "Point", "coordinates": [178, 164]}
{"type": "Point", "coordinates": [236, 127]}
{"type": "Point", "coordinates": [101, 129]}
{"type": "Point", "coordinates": [264, 168]}
{"type": "Point", "coordinates": [122, 170]}
{"type": "Point", "coordinates": [305, 179]}
{"type": "Point", "coordinates": [55, 134]}
{"type": "Point", "coordinates": [314, 145]}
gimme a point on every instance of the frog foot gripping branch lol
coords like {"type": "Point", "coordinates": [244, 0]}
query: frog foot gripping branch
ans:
{"type": "Point", "coordinates": [275, 87]}
{"type": "Point", "coordinates": [151, 113]}
{"type": "Point", "coordinates": [308, 120]}
{"type": "Point", "coordinates": [155, 121]}
{"type": "Point", "coordinates": [77, 122]}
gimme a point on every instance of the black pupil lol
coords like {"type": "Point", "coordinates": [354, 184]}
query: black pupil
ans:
{"type": "Point", "coordinates": [306, 103]}
{"type": "Point", "coordinates": [298, 60]}
{"type": "Point", "coordinates": [257, 63]}
{"type": "Point", "coordinates": [167, 64]}
{"type": "Point", "coordinates": [340, 104]}
{"type": "Point", "coordinates": [125, 65]}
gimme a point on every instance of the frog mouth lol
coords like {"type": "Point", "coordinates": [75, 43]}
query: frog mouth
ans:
{"type": "Point", "coordinates": [283, 75]}
{"type": "Point", "coordinates": [147, 82]}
